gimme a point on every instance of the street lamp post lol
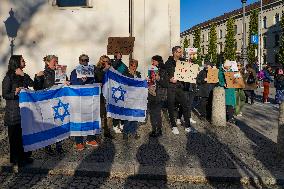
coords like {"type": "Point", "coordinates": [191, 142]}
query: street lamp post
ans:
{"type": "Point", "coordinates": [244, 48]}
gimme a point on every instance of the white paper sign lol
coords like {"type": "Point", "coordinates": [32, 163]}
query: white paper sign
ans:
{"type": "Point", "coordinates": [60, 74]}
{"type": "Point", "coordinates": [85, 71]}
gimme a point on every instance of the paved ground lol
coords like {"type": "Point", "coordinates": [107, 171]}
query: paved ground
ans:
{"type": "Point", "coordinates": [242, 152]}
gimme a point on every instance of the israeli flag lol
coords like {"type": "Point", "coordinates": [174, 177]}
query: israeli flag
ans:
{"type": "Point", "coordinates": [49, 116]}
{"type": "Point", "coordinates": [126, 98]}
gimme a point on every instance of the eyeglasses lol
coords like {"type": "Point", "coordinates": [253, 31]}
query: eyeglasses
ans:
{"type": "Point", "coordinates": [105, 61]}
{"type": "Point", "coordinates": [133, 65]}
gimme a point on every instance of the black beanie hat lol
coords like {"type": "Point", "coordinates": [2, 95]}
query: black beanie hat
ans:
{"type": "Point", "coordinates": [158, 58]}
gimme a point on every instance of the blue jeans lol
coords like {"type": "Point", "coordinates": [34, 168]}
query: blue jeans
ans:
{"type": "Point", "coordinates": [130, 127]}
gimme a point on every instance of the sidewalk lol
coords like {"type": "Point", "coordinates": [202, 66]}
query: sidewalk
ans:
{"type": "Point", "coordinates": [244, 153]}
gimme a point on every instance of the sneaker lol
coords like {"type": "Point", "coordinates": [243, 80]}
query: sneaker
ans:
{"type": "Point", "coordinates": [92, 143]}
{"type": "Point", "coordinates": [117, 130]}
{"type": "Point", "coordinates": [240, 114]}
{"type": "Point", "coordinates": [192, 121]}
{"type": "Point", "coordinates": [80, 147]}
{"type": "Point", "coordinates": [178, 122]}
{"type": "Point", "coordinates": [190, 130]}
{"type": "Point", "coordinates": [175, 130]}
{"type": "Point", "coordinates": [266, 102]}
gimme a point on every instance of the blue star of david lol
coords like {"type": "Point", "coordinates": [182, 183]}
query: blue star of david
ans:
{"type": "Point", "coordinates": [122, 93]}
{"type": "Point", "coordinates": [60, 115]}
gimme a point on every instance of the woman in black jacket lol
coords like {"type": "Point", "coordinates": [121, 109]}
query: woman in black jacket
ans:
{"type": "Point", "coordinates": [44, 80]}
{"type": "Point", "coordinates": [157, 95]}
{"type": "Point", "coordinates": [12, 84]}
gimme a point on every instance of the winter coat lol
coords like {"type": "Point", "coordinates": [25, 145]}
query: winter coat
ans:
{"type": "Point", "coordinates": [279, 82]}
{"type": "Point", "coordinates": [249, 86]}
{"type": "Point", "coordinates": [78, 81]}
{"type": "Point", "coordinates": [119, 65]}
{"type": "Point", "coordinates": [161, 85]}
{"type": "Point", "coordinates": [128, 74]}
{"type": "Point", "coordinates": [9, 85]}
{"type": "Point", "coordinates": [170, 67]}
{"type": "Point", "coordinates": [230, 93]}
{"type": "Point", "coordinates": [45, 81]}
{"type": "Point", "coordinates": [267, 77]}
{"type": "Point", "coordinates": [204, 88]}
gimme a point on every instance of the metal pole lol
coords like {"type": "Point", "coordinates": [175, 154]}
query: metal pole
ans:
{"type": "Point", "coordinates": [260, 40]}
{"type": "Point", "coordinates": [130, 23]}
{"type": "Point", "coordinates": [244, 50]}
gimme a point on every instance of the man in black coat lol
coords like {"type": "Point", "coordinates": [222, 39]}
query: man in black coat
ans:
{"type": "Point", "coordinates": [176, 93]}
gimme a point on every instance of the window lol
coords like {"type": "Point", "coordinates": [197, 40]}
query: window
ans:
{"type": "Point", "coordinates": [236, 29]}
{"type": "Point", "coordinates": [276, 40]}
{"type": "Point", "coordinates": [203, 38]}
{"type": "Point", "coordinates": [73, 3]}
{"type": "Point", "coordinates": [189, 42]}
{"type": "Point", "coordinates": [276, 18]}
{"type": "Point", "coordinates": [264, 22]}
{"type": "Point", "coordinates": [220, 34]}
{"type": "Point", "coordinates": [264, 42]}
{"type": "Point", "coordinates": [202, 49]}
{"type": "Point", "coordinates": [236, 45]}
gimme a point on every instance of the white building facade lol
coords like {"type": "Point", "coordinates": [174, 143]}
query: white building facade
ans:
{"type": "Point", "coordinates": [67, 32]}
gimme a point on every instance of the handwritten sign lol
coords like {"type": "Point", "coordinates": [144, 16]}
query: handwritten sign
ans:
{"type": "Point", "coordinates": [124, 45]}
{"type": "Point", "coordinates": [186, 72]}
{"type": "Point", "coordinates": [234, 80]}
{"type": "Point", "coordinates": [60, 74]}
{"type": "Point", "coordinates": [85, 71]}
{"type": "Point", "coordinates": [212, 75]}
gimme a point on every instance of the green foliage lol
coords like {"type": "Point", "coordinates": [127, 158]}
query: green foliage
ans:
{"type": "Point", "coordinates": [230, 50]}
{"type": "Point", "coordinates": [196, 44]}
{"type": "Point", "coordinates": [253, 30]}
{"type": "Point", "coordinates": [185, 43]}
{"type": "Point", "coordinates": [212, 48]}
{"type": "Point", "coordinates": [281, 48]}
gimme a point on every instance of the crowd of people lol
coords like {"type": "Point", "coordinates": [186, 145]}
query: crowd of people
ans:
{"type": "Point", "coordinates": [167, 92]}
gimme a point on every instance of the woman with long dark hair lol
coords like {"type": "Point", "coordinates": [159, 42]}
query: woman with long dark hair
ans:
{"type": "Point", "coordinates": [14, 80]}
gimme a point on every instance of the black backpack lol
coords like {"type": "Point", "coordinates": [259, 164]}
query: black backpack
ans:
{"type": "Point", "coordinates": [251, 79]}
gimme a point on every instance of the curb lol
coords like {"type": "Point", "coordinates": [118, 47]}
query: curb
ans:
{"type": "Point", "coordinates": [136, 171]}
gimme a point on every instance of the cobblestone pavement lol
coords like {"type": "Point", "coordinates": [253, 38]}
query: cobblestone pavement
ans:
{"type": "Point", "coordinates": [38, 181]}
{"type": "Point", "coordinates": [250, 145]}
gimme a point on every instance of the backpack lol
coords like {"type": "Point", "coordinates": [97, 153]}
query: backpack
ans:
{"type": "Point", "coordinates": [250, 79]}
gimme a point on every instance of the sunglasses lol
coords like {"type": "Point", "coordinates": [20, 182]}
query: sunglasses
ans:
{"type": "Point", "coordinates": [85, 60]}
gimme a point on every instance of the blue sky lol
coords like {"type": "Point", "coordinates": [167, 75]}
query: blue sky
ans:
{"type": "Point", "coordinates": [196, 11]}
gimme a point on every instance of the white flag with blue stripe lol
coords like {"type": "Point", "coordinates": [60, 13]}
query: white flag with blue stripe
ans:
{"type": "Point", "coordinates": [126, 98]}
{"type": "Point", "coordinates": [49, 116]}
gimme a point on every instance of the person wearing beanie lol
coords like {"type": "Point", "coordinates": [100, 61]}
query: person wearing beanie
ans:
{"type": "Point", "coordinates": [158, 96]}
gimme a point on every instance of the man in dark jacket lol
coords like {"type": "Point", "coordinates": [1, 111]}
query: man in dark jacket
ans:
{"type": "Point", "coordinates": [205, 92]}
{"type": "Point", "coordinates": [176, 92]}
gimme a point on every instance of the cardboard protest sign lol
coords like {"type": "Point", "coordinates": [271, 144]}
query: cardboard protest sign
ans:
{"type": "Point", "coordinates": [152, 71]}
{"type": "Point", "coordinates": [186, 72]}
{"type": "Point", "coordinates": [124, 45]}
{"type": "Point", "coordinates": [60, 74]}
{"type": "Point", "coordinates": [234, 80]}
{"type": "Point", "coordinates": [85, 71]}
{"type": "Point", "coordinates": [234, 65]}
{"type": "Point", "coordinates": [212, 75]}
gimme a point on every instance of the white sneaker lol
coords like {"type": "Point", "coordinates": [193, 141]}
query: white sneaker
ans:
{"type": "Point", "coordinates": [175, 130]}
{"type": "Point", "coordinates": [190, 130]}
{"type": "Point", "coordinates": [240, 114]}
{"type": "Point", "coordinates": [192, 121]}
{"type": "Point", "coordinates": [117, 130]}
{"type": "Point", "coordinates": [178, 122]}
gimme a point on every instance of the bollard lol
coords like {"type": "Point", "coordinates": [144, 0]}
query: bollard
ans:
{"type": "Point", "coordinates": [219, 107]}
{"type": "Point", "coordinates": [280, 137]}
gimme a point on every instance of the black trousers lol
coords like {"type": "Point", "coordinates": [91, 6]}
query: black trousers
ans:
{"type": "Point", "coordinates": [178, 96]}
{"type": "Point", "coordinates": [189, 101]}
{"type": "Point", "coordinates": [17, 153]}
{"type": "Point", "coordinates": [229, 112]}
{"type": "Point", "coordinates": [155, 108]}
{"type": "Point", "coordinates": [249, 94]}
